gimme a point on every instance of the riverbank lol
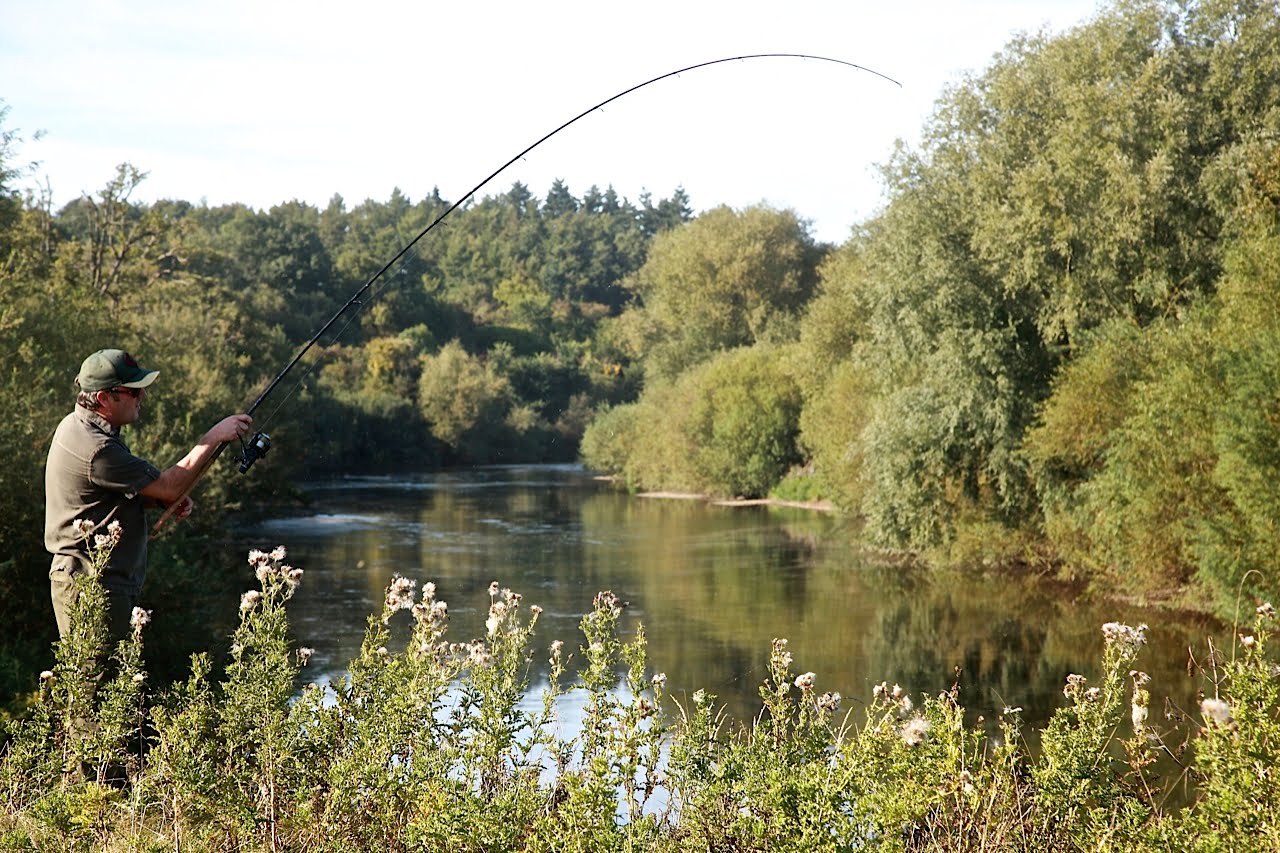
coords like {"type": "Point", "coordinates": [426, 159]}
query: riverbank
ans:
{"type": "Point", "coordinates": [816, 506]}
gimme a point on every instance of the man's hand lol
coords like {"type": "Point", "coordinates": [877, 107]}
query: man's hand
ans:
{"type": "Point", "coordinates": [229, 428]}
{"type": "Point", "coordinates": [184, 507]}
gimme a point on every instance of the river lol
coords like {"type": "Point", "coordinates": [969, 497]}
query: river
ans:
{"type": "Point", "coordinates": [711, 585]}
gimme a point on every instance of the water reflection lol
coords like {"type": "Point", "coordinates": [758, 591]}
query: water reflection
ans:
{"type": "Point", "coordinates": [712, 586]}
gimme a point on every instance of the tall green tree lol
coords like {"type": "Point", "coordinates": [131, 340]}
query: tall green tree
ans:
{"type": "Point", "coordinates": [727, 279]}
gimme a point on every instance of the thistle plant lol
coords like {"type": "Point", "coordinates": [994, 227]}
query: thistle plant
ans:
{"type": "Point", "coordinates": [433, 744]}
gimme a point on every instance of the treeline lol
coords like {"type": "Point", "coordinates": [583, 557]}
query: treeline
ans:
{"type": "Point", "coordinates": [479, 346]}
{"type": "Point", "coordinates": [1058, 344]}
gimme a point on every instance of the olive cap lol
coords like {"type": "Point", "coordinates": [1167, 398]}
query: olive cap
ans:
{"type": "Point", "coordinates": [113, 368]}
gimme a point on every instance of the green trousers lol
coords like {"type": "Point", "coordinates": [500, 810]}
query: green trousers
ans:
{"type": "Point", "coordinates": [62, 590]}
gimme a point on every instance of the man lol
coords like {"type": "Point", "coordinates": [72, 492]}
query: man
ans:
{"type": "Point", "coordinates": [91, 475]}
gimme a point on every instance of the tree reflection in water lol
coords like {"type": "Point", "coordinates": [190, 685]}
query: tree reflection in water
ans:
{"type": "Point", "coordinates": [712, 586]}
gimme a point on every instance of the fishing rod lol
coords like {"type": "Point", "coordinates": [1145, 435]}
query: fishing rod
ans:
{"type": "Point", "coordinates": [260, 443]}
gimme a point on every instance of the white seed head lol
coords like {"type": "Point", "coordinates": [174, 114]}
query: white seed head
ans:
{"type": "Point", "coordinates": [915, 730]}
{"type": "Point", "coordinates": [1216, 711]}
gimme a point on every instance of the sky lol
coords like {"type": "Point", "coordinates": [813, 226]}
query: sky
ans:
{"type": "Point", "coordinates": [266, 101]}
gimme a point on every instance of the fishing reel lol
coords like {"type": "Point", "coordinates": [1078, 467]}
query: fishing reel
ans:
{"type": "Point", "coordinates": [254, 450]}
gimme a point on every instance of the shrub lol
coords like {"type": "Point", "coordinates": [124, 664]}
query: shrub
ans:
{"type": "Point", "coordinates": [433, 745]}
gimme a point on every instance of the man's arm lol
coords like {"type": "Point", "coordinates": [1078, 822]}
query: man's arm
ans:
{"type": "Point", "coordinates": [175, 481]}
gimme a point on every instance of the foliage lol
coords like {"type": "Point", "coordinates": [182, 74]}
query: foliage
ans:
{"type": "Point", "coordinates": [727, 427]}
{"type": "Point", "coordinates": [1080, 181]}
{"type": "Point", "coordinates": [728, 279]}
{"type": "Point", "coordinates": [744, 421]}
{"type": "Point", "coordinates": [434, 744]}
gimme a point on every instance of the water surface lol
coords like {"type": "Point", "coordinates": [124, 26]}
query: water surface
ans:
{"type": "Point", "coordinates": [711, 585]}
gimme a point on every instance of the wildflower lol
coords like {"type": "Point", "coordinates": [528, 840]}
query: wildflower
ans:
{"type": "Point", "coordinates": [1216, 711]}
{"type": "Point", "coordinates": [1074, 685]}
{"type": "Point", "coordinates": [428, 591]}
{"type": "Point", "coordinates": [536, 611]}
{"type": "Point", "coordinates": [479, 656]}
{"type": "Point", "coordinates": [699, 697]}
{"type": "Point", "coordinates": [915, 731]}
{"type": "Point", "coordinates": [439, 610]}
{"type": "Point", "coordinates": [262, 571]}
{"type": "Point", "coordinates": [829, 702]}
{"type": "Point", "coordinates": [966, 781]}
{"type": "Point", "coordinates": [115, 530]}
{"type": "Point", "coordinates": [304, 655]}
{"type": "Point", "coordinates": [139, 618]}
{"type": "Point", "coordinates": [1009, 712]}
{"type": "Point", "coordinates": [660, 680]}
{"type": "Point", "coordinates": [1138, 714]}
{"type": "Point", "coordinates": [277, 554]}
{"type": "Point", "coordinates": [1093, 694]}
{"type": "Point", "coordinates": [101, 540]}
{"type": "Point", "coordinates": [497, 611]}
{"type": "Point", "coordinates": [1127, 637]}
{"type": "Point", "coordinates": [556, 648]}
{"type": "Point", "coordinates": [292, 574]}
{"type": "Point", "coordinates": [46, 675]}
{"type": "Point", "coordinates": [805, 681]}
{"type": "Point", "coordinates": [606, 600]}
{"type": "Point", "coordinates": [400, 593]}
{"type": "Point", "coordinates": [139, 677]}
{"type": "Point", "coordinates": [493, 589]}
{"type": "Point", "coordinates": [644, 708]}
{"type": "Point", "coordinates": [1140, 679]}
{"type": "Point", "coordinates": [257, 557]}
{"type": "Point", "coordinates": [250, 600]}
{"type": "Point", "coordinates": [781, 657]}
{"type": "Point", "coordinates": [904, 707]}
{"type": "Point", "coordinates": [382, 652]}
{"type": "Point", "coordinates": [1266, 611]}
{"type": "Point", "coordinates": [898, 693]}
{"type": "Point", "coordinates": [1248, 641]}
{"type": "Point", "coordinates": [881, 692]}
{"type": "Point", "coordinates": [83, 527]}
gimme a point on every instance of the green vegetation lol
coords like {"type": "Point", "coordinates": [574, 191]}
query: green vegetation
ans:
{"type": "Point", "coordinates": [479, 346]}
{"type": "Point", "coordinates": [1057, 345]}
{"type": "Point", "coordinates": [428, 744]}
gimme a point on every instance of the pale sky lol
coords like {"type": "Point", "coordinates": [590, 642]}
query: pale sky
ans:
{"type": "Point", "coordinates": [266, 101]}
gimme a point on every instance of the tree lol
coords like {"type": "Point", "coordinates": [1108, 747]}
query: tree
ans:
{"type": "Point", "coordinates": [725, 280]}
{"type": "Point", "coordinates": [464, 402]}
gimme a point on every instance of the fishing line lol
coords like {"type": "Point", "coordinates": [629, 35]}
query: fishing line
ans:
{"type": "Point", "coordinates": [258, 445]}
{"type": "Point", "coordinates": [355, 299]}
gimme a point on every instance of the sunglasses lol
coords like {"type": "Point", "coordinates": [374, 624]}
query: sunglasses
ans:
{"type": "Point", "coordinates": [135, 393]}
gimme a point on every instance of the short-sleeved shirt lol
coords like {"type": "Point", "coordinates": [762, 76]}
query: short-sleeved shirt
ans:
{"type": "Point", "coordinates": [90, 474]}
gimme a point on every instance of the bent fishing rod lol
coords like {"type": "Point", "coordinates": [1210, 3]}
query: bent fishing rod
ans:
{"type": "Point", "coordinates": [260, 443]}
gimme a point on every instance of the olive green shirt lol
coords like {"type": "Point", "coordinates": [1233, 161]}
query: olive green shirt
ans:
{"type": "Point", "coordinates": [90, 474]}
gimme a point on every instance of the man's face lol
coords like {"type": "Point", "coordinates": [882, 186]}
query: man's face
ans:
{"type": "Point", "coordinates": [121, 406]}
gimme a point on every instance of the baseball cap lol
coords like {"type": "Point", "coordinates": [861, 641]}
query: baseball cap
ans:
{"type": "Point", "coordinates": [112, 368]}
